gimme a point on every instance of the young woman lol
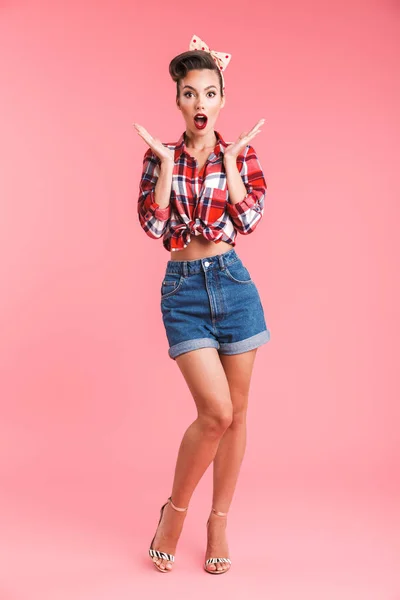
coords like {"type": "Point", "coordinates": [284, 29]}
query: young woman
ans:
{"type": "Point", "coordinates": [197, 194]}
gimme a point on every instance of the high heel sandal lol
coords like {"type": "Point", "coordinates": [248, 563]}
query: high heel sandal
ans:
{"type": "Point", "coordinates": [159, 553]}
{"type": "Point", "coordinates": [217, 560]}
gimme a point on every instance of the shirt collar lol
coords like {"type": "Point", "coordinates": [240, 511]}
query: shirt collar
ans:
{"type": "Point", "coordinates": [219, 148]}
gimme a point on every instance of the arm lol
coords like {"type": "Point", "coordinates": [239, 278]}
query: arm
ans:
{"type": "Point", "coordinates": [247, 189]}
{"type": "Point", "coordinates": [154, 208]}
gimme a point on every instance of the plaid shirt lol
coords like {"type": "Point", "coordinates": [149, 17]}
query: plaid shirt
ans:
{"type": "Point", "coordinates": [199, 202]}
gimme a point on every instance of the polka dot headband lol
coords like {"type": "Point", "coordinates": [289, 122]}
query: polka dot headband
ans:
{"type": "Point", "coordinates": [221, 58]}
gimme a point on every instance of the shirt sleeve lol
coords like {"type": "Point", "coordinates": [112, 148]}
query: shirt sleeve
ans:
{"type": "Point", "coordinates": [247, 213]}
{"type": "Point", "coordinates": [152, 218]}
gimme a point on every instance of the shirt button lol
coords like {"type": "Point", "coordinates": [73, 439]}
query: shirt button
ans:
{"type": "Point", "coordinates": [206, 264]}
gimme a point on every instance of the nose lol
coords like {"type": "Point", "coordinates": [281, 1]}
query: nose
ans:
{"type": "Point", "coordinates": [200, 103]}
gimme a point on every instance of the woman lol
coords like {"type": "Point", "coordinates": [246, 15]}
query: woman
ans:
{"type": "Point", "coordinates": [197, 194]}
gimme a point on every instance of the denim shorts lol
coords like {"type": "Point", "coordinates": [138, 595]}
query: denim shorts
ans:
{"type": "Point", "coordinates": [212, 302]}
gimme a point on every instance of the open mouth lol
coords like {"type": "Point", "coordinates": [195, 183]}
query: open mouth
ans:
{"type": "Point", "coordinates": [200, 121]}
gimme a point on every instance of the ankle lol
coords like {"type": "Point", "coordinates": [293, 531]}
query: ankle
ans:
{"type": "Point", "coordinates": [217, 517]}
{"type": "Point", "coordinates": [177, 508]}
{"type": "Point", "coordinates": [218, 512]}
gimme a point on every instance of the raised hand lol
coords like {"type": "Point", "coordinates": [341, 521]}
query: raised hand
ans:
{"type": "Point", "coordinates": [163, 153]}
{"type": "Point", "coordinates": [234, 149]}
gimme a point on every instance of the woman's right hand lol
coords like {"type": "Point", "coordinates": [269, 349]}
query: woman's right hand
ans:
{"type": "Point", "coordinates": [163, 153]}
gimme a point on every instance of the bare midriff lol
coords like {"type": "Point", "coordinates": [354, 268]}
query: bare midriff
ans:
{"type": "Point", "coordinates": [199, 247]}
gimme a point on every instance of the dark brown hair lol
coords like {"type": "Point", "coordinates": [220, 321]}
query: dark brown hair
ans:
{"type": "Point", "coordinates": [190, 60]}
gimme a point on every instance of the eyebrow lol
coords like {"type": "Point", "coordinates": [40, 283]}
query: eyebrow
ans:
{"type": "Point", "coordinates": [192, 88]}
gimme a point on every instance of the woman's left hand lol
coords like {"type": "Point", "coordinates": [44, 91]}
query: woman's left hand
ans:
{"type": "Point", "coordinates": [234, 149]}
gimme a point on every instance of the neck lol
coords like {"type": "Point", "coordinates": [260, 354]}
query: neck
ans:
{"type": "Point", "coordinates": [197, 142]}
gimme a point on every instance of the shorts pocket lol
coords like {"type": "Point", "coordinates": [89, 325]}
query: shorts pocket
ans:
{"type": "Point", "coordinates": [238, 272]}
{"type": "Point", "coordinates": [170, 285]}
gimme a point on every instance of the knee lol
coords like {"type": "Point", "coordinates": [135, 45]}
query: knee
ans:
{"type": "Point", "coordinates": [216, 423]}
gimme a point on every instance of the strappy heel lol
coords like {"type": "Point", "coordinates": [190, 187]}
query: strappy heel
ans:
{"type": "Point", "coordinates": [219, 559]}
{"type": "Point", "coordinates": [158, 553]}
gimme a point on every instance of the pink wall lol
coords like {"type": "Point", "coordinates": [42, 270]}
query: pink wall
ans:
{"type": "Point", "coordinates": [86, 383]}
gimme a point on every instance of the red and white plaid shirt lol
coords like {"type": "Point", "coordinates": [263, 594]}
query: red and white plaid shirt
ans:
{"type": "Point", "coordinates": [199, 202]}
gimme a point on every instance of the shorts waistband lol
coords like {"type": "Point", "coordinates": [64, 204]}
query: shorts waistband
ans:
{"type": "Point", "coordinates": [190, 267]}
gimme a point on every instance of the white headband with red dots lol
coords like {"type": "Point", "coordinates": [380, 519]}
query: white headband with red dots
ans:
{"type": "Point", "coordinates": [221, 58]}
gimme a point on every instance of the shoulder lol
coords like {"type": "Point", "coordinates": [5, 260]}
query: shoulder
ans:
{"type": "Point", "coordinates": [249, 151]}
{"type": "Point", "coordinates": [170, 145]}
{"type": "Point", "coordinates": [247, 154]}
{"type": "Point", "coordinates": [150, 157]}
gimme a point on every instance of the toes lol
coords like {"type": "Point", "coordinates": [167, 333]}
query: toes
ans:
{"type": "Point", "coordinates": [166, 564]}
{"type": "Point", "coordinates": [218, 566]}
{"type": "Point", "coordinates": [159, 562]}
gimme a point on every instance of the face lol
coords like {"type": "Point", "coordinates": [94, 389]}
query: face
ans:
{"type": "Point", "coordinates": [200, 93]}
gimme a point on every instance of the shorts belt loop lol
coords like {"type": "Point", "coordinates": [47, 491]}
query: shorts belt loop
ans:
{"type": "Point", "coordinates": [185, 269]}
{"type": "Point", "coordinates": [221, 261]}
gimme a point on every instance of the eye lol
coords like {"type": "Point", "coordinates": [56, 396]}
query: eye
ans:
{"type": "Point", "coordinates": [186, 94]}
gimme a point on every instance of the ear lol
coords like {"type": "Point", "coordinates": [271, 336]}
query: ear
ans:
{"type": "Point", "coordinates": [223, 101]}
{"type": "Point", "coordinates": [177, 103]}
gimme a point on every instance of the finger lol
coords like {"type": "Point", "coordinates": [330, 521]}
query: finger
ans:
{"type": "Point", "coordinates": [138, 127]}
{"type": "Point", "coordinates": [244, 139]}
{"type": "Point", "coordinates": [250, 137]}
{"type": "Point", "coordinates": [257, 126]}
{"type": "Point", "coordinates": [145, 135]}
{"type": "Point", "coordinates": [253, 132]}
{"type": "Point", "coordinates": [142, 131]}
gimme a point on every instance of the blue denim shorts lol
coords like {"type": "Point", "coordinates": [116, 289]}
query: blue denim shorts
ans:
{"type": "Point", "coordinates": [212, 303]}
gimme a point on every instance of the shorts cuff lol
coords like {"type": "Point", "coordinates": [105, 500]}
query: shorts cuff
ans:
{"type": "Point", "coordinates": [188, 345]}
{"type": "Point", "coordinates": [248, 344]}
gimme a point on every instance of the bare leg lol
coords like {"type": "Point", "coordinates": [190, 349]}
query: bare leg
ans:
{"type": "Point", "coordinates": [207, 381]}
{"type": "Point", "coordinates": [231, 449]}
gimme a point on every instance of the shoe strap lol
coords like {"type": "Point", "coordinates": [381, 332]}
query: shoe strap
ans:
{"type": "Point", "coordinates": [176, 507]}
{"type": "Point", "coordinates": [220, 514]}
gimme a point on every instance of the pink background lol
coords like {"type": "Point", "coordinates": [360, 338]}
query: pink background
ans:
{"type": "Point", "coordinates": [92, 407]}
